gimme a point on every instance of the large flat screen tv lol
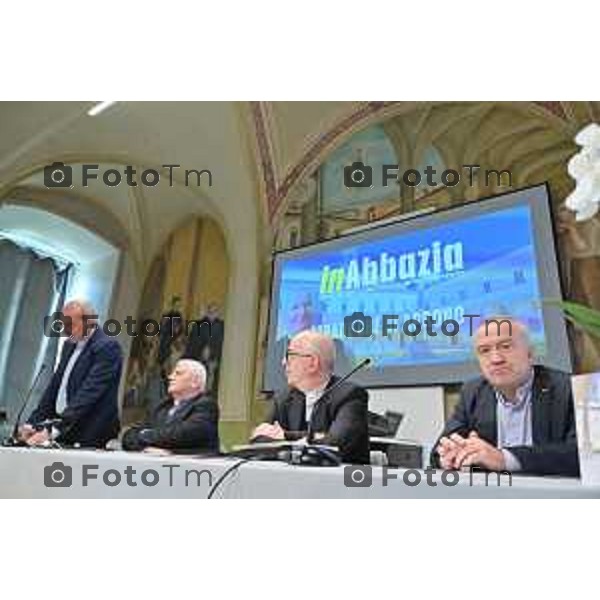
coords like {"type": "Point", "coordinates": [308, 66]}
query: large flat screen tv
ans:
{"type": "Point", "coordinates": [491, 257]}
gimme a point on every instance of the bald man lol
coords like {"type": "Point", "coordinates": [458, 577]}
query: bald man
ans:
{"type": "Point", "coordinates": [516, 417]}
{"type": "Point", "coordinates": [304, 313]}
{"type": "Point", "coordinates": [187, 422]}
{"type": "Point", "coordinates": [338, 418]}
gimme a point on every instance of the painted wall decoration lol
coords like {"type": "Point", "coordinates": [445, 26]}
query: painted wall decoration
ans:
{"type": "Point", "coordinates": [371, 147]}
{"type": "Point", "coordinates": [187, 297]}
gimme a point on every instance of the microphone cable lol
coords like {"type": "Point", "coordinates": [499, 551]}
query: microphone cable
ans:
{"type": "Point", "coordinates": [227, 472]}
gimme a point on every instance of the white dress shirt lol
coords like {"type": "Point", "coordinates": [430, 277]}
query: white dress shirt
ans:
{"type": "Point", "coordinates": [61, 398]}
{"type": "Point", "coordinates": [312, 396]}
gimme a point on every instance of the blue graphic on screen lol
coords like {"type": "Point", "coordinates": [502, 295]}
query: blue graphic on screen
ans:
{"type": "Point", "coordinates": [483, 265]}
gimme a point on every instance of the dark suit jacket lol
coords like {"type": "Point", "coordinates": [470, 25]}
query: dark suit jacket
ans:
{"type": "Point", "coordinates": [341, 416]}
{"type": "Point", "coordinates": [192, 429]}
{"type": "Point", "coordinates": [91, 417]}
{"type": "Point", "coordinates": [554, 449]}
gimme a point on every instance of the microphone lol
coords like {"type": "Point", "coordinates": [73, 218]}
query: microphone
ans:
{"type": "Point", "coordinates": [298, 452]}
{"type": "Point", "coordinates": [361, 365]}
{"type": "Point", "coordinates": [13, 440]}
{"type": "Point", "coordinates": [49, 425]}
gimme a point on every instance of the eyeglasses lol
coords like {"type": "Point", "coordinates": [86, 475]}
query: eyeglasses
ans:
{"type": "Point", "coordinates": [289, 353]}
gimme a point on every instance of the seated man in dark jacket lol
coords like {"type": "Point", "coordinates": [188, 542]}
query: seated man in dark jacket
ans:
{"type": "Point", "coordinates": [187, 422]}
{"type": "Point", "coordinates": [337, 419]}
{"type": "Point", "coordinates": [517, 416]}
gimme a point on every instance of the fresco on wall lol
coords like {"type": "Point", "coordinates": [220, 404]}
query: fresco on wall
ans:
{"type": "Point", "coordinates": [371, 147]}
{"type": "Point", "coordinates": [187, 299]}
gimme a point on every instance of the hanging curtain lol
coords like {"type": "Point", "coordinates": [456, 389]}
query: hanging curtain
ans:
{"type": "Point", "coordinates": [32, 286]}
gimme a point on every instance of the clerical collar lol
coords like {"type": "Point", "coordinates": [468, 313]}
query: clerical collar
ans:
{"type": "Point", "coordinates": [316, 391]}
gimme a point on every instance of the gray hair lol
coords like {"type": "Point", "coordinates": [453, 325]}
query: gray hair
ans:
{"type": "Point", "coordinates": [86, 307]}
{"type": "Point", "coordinates": [514, 322]}
{"type": "Point", "coordinates": [322, 345]}
{"type": "Point", "coordinates": [197, 368]}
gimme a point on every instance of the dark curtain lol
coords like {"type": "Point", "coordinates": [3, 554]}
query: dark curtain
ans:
{"type": "Point", "coordinates": [31, 287]}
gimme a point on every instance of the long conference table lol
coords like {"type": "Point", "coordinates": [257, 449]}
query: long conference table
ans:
{"type": "Point", "coordinates": [37, 473]}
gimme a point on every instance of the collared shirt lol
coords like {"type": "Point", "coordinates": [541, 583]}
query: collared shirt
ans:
{"type": "Point", "coordinates": [514, 422]}
{"type": "Point", "coordinates": [172, 414]}
{"type": "Point", "coordinates": [312, 396]}
{"type": "Point", "coordinates": [61, 397]}
{"type": "Point", "coordinates": [180, 405]}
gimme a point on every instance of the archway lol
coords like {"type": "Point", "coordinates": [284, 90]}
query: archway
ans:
{"type": "Point", "coordinates": [45, 258]}
{"type": "Point", "coordinates": [188, 280]}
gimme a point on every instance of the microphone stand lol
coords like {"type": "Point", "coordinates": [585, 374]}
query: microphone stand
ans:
{"type": "Point", "coordinates": [313, 453]}
{"type": "Point", "coordinates": [49, 425]}
{"type": "Point", "coordinates": [300, 452]}
{"type": "Point", "coordinates": [14, 440]}
{"type": "Point", "coordinates": [361, 365]}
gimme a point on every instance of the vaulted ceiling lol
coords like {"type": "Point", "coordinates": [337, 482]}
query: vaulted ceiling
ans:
{"type": "Point", "coordinates": [259, 152]}
{"type": "Point", "coordinates": [532, 139]}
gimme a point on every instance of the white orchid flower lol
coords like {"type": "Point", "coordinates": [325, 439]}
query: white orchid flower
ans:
{"type": "Point", "coordinates": [580, 164]}
{"type": "Point", "coordinates": [584, 167]}
{"type": "Point", "coordinates": [589, 136]}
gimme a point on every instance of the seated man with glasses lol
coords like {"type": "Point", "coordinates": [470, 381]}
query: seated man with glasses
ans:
{"type": "Point", "coordinates": [337, 419]}
{"type": "Point", "coordinates": [516, 416]}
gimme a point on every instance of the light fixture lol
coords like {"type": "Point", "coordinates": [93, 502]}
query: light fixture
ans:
{"type": "Point", "coordinates": [584, 168]}
{"type": "Point", "coordinates": [100, 107]}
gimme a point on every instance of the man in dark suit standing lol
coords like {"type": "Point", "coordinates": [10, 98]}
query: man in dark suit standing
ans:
{"type": "Point", "coordinates": [83, 389]}
{"type": "Point", "coordinates": [338, 418]}
{"type": "Point", "coordinates": [516, 417]}
{"type": "Point", "coordinates": [186, 423]}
